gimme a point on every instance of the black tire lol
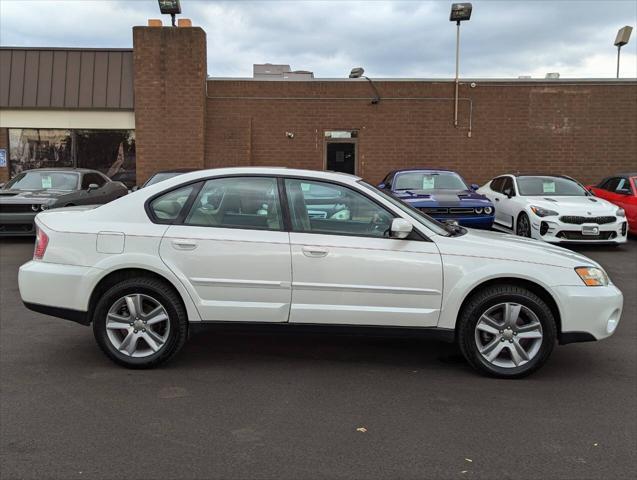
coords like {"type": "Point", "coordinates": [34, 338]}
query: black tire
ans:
{"type": "Point", "coordinates": [167, 297]}
{"type": "Point", "coordinates": [523, 226]}
{"type": "Point", "coordinates": [491, 296]}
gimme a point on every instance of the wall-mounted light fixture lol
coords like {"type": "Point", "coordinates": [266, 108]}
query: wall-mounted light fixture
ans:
{"type": "Point", "coordinates": [358, 72]}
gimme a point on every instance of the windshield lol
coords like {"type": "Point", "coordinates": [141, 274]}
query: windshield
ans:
{"type": "Point", "coordinates": [429, 181]}
{"type": "Point", "coordinates": [160, 177]}
{"type": "Point", "coordinates": [44, 181]}
{"type": "Point", "coordinates": [419, 216]}
{"type": "Point", "coordinates": [553, 186]}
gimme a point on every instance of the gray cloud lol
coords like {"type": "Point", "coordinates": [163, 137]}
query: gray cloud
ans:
{"type": "Point", "coordinates": [390, 39]}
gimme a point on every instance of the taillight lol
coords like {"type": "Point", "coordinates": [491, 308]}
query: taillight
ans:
{"type": "Point", "coordinates": [41, 242]}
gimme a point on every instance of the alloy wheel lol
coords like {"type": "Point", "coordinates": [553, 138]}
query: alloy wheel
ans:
{"type": "Point", "coordinates": [508, 335]}
{"type": "Point", "coordinates": [137, 325]}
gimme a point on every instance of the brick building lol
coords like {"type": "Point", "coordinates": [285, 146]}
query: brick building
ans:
{"type": "Point", "coordinates": [155, 107]}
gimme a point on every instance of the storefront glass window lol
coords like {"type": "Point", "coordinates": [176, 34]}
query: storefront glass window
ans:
{"type": "Point", "coordinates": [112, 152]}
{"type": "Point", "coordinates": [39, 148]}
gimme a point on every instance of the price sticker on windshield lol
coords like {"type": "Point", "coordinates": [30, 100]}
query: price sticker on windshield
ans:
{"type": "Point", "coordinates": [428, 183]}
{"type": "Point", "coordinates": [548, 187]}
{"type": "Point", "coordinates": [46, 182]}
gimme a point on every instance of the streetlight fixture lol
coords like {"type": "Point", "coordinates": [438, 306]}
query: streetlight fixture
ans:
{"type": "Point", "coordinates": [170, 7]}
{"type": "Point", "coordinates": [358, 72]}
{"type": "Point", "coordinates": [623, 35]}
{"type": "Point", "coordinates": [460, 12]}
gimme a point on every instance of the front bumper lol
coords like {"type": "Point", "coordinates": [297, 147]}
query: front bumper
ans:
{"type": "Point", "coordinates": [553, 230]}
{"type": "Point", "coordinates": [588, 312]}
{"type": "Point", "coordinates": [475, 221]}
{"type": "Point", "coordinates": [17, 224]}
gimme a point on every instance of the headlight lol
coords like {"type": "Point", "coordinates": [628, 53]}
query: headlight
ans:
{"type": "Point", "coordinates": [620, 212]}
{"type": "Point", "coordinates": [478, 210]}
{"type": "Point", "coordinates": [35, 207]}
{"type": "Point", "coordinates": [44, 206]}
{"type": "Point", "coordinates": [542, 212]}
{"type": "Point", "coordinates": [488, 210]}
{"type": "Point", "coordinates": [592, 276]}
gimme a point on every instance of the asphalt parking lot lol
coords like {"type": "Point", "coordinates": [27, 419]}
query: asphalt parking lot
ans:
{"type": "Point", "coordinates": [288, 407]}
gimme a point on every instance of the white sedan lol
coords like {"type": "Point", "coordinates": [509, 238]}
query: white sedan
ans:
{"type": "Point", "coordinates": [261, 246]}
{"type": "Point", "coordinates": [556, 209]}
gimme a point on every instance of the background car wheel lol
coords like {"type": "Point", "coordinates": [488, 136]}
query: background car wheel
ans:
{"type": "Point", "coordinates": [140, 323]}
{"type": "Point", "coordinates": [506, 331]}
{"type": "Point", "coordinates": [523, 226]}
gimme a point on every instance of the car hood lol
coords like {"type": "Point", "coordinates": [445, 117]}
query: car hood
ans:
{"type": "Point", "coordinates": [443, 198]}
{"type": "Point", "coordinates": [585, 206]}
{"type": "Point", "coordinates": [505, 246]}
{"type": "Point", "coordinates": [22, 196]}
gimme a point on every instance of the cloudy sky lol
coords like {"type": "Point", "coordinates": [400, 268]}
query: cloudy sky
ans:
{"type": "Point", "coordinates": [389, 39]}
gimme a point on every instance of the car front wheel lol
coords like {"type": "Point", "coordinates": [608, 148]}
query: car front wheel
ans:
{"type": "Point", "coordinates": [140, 323]}
{"type": "Point", "coordinates": [506, 331]}
{"type": "Point", "coordinates": [523, 227]}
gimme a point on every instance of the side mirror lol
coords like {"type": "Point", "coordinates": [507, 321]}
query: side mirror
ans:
{"type": "Point", "coordinates": [400, 228]}
{"type": "Point", "coordinates": [509, 193]}
{"type": "Point", "coordinates": [474, 186]}
{"type": "Point", "coordinates": [93, 186]}
{"type": "Point", "coordinates": [382, 186]}
{"type": "Point", "coordinates": [451, 222]}
{"type": "Point", "coordinates": [134, 189]}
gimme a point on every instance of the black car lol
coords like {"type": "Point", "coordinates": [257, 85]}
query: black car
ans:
{"type": "Point", "coordinates": [32, 191]}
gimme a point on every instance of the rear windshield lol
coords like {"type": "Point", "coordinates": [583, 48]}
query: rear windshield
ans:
{"type": "Point", "coordinates": [553, 186]}
{"type": "Point", "coordinates": [44, 181]}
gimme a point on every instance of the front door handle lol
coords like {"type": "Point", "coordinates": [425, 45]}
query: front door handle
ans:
{"type": "Point", "coordinates": [184, 244]}
{"type": "Point", "coordinates": [315, 252]}
{"type": "Point", "coordinates": [497, 199]}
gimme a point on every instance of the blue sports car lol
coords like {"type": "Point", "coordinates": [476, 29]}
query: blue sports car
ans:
{"type": "Point", "coordinates": [441, 194]}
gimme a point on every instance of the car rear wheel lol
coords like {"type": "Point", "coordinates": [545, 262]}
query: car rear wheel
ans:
{"type": "Point", "coordinates": [523, 227]}
{"type": "Point", "coordinates": [506, 331]}
{"type": "Point", "coordinates": [140, 323]}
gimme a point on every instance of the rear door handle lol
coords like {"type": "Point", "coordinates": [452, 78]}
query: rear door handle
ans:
{"type": "Point", "coordinates": [184, 244]}
{"type": "Point", "coordinates": [315, 252]}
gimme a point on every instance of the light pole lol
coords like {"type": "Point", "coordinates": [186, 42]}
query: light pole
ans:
{"type": "Point", "coordinates": [459, 13]}
{"type": "Point", "coordinates": [623, 35]}
{"type": "Point", "coordinates": [170, 7]}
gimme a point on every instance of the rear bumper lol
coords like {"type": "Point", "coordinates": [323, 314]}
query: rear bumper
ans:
{"type": "Point", "coordinates": [17, 224]}
{"type": "Point", "coordinates": [56, 289]}
{"type": "Point", "coordinates": [76, 316]}
{"type": "Point", "coordinates": [588, 313]}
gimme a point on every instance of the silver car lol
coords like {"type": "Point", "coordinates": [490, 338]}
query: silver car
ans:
{"type": "Point", "coordinates": [33, 191]}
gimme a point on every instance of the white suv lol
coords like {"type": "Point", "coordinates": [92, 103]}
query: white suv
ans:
{"type": "Point", "coordinates": [298, 249]}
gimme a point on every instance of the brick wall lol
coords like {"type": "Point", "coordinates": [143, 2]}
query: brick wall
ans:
{"type": "Point", "coordinates": [4, 143]}
{"type": "Point", "coordinates": [578, 128]}
{"type": "Point", "coordinates": [169, 82]}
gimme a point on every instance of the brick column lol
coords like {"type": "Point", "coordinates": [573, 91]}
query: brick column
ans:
{"type": "Point", "coordinates": [4, 143]}
{"type": "Point", "coordinates": [170, 78]}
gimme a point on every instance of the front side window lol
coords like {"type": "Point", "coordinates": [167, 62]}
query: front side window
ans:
{"type": "Point", "coordinates": [238, 202]}
{"type": "Point", "coordinates": [92, 178]}
{"type": "Point", "coordinates": [424, 181]}
{"type": "Point", "coordinates": [167, 207]}
{"type": "Point", "coordinates": [553, 186]}
{"type": "Point", "coordinates": [496, 185]}
{"type": "Point", "coordinates": [610, 185]}
{"type": "Point", "coordinates": [507, 186]}
{"type": "Point", "coordinates": [319, 207]}
{"type": "Point", "coordinates": [44, 180]}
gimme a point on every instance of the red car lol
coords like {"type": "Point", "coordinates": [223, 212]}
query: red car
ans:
{"type": "Point", "coordinates": [622, 191]}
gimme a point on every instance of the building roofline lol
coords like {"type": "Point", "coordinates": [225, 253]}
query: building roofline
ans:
{"type": "Point", "coordinates": [435, 80]}
{"type": "Point", "coordinates": [76, 49]}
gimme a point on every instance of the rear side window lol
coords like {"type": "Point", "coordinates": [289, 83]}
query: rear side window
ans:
{"type": "Point", "coordinates": [238, 202]}
{"type": "Point", "coordinates": [167, 207]}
